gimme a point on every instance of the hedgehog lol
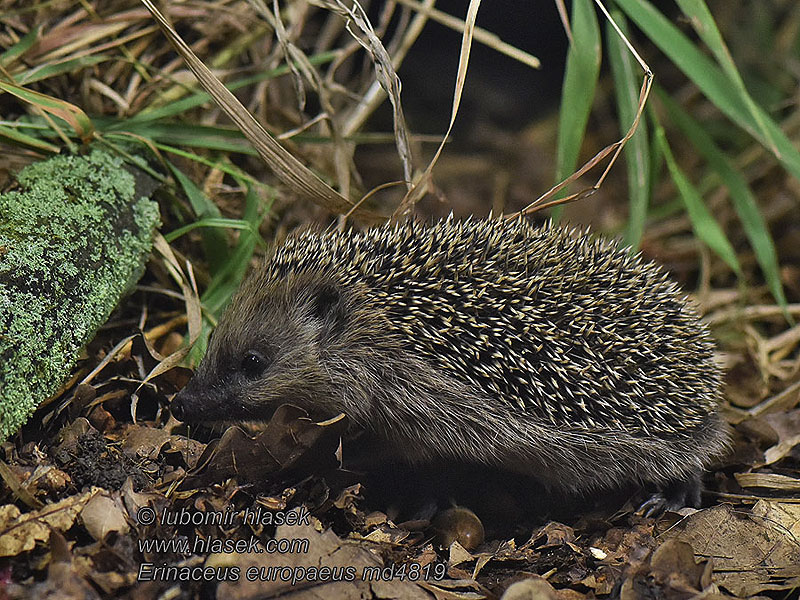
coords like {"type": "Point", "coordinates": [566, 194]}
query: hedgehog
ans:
{"type": "Point", "coordinates": [538, 350]}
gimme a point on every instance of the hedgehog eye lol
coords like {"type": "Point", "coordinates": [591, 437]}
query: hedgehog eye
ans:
{"type": "Point", "coordinates": [253, 364]}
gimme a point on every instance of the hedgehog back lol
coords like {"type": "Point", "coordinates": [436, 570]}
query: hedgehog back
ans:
{"type": "Point", "coordinates": [552, 322]}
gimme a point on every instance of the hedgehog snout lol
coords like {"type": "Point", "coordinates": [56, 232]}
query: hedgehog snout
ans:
{"type": "Point", "coordinates": [186, 406]}
{"type": "Point", "coordinates": [196, 403]}
{"type": "Point", "coordinates": [179, 407]}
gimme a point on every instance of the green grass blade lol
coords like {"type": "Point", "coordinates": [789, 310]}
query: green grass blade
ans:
{"type": "Point", "coordinates": [223, 139]}
{"type": "Point", "coordinates": [46, 71]}
{"type": "Point", "coordinates": [578, 90]}
{"type": "Point", "coordinates": [215, 244]}
{"type": "Point", "coordinates": [16, 137]}
{"type": "Point", "coordinates": [220, 223]}
{"type": "Point", "coordinates": [198, 99]}
{"type": "Point", "coordinates": [225, 167]}
{"type": "Point", "coordinates": [711, 80]}
{"type": "Point", "coordinates": [703, 23]}
{"type": "Point", "coordinates": [70, 113]}
{"type": "Point", "coordinates": [225, 282]}
{"type": "Point", "coordinates": [744, 201]}
{"type": "Point", "coordinates": [627, 76]}
{"type": "Point", "coordinates": [703, 223]}
{"type": "Point", "coordinates": [20, 48]}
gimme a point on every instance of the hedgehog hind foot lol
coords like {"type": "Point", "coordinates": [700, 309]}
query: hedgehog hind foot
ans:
{"type": "Point", "coordinates": [674, 495]}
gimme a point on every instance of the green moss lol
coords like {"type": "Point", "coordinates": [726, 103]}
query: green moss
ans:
{"type": "Point", "coordinates": [73, 240]}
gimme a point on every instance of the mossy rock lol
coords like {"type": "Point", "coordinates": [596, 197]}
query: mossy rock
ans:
{"type": "Point", "coordinates": [73, 240]}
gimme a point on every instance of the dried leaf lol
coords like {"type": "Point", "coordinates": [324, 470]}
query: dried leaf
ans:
{"type": "Point", "coordinates": [751, 552]}
{"type": "Point", "coordinates": [787, 426]}
{"type": "Point", "coordinates": [103, 514]}
{"type": "Point", "coordinates": [290, 440]}
{"type": "Point", "coordinates": [19, 533]}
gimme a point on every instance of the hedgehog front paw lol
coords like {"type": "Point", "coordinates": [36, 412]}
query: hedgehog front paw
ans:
{"type": "Point", "coordinates": [676, 494]}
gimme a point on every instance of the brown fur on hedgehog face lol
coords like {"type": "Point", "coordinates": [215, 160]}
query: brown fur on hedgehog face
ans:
{"type": "Point", "coordinates": [295, 340]}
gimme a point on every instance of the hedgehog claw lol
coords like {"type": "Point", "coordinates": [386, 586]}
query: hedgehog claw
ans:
{"type": "Point", "coordinates": [677, 494]}
{"type": "Point", "coordinates": [653, 507]}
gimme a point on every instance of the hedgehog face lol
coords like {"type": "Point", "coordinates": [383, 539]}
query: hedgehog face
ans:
{"type": "Point", "coordinates": [275, 344]}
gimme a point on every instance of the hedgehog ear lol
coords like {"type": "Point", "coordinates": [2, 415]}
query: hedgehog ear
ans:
{"type": "Point", "coordinates": [328, 306]}
{"type": "Point", "coordinates": [325, 301]}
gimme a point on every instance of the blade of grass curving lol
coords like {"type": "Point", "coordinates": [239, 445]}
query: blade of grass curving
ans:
{"type": "Point", "coordinates": [286, 167]}
{"type": "Point", "coordinates": [20, 48]}
{"type": "Point", "coordinates": [553, 196]}
{"type": "Point", "coordinates": [45, 71]}
{"type": "Point", "coordinates": [705, 26]}
{"type": "Point", "coordinates": [304, 76]}
{"type": "Point", "coordinates": [302, 73]}
{"type": "Point", "coordinates": [215, 244]}
{"type": "Point", "coordinates": [70, 113]}
{"type": "Point", "coordinates": [219, 223]}
{"type": "Point", "coordinates": [16, 137]}
{"type": "Point", "coordinates": [625, 72]}
{"type": "Point", "coordinates": [225, 167]}
{"type": "Point", "coordinates": [703, 223]}
{"type": "Point", "coordinates": [711, 80]}
{"type": "Point", "coordinates": [755, 227]}
{"type": "Point", "coordinates": [578, 89]}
